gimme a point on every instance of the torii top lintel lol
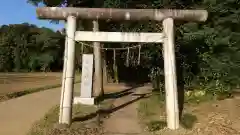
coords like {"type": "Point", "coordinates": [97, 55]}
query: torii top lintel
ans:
{"type": "Point", "coordinates": [58, 13]}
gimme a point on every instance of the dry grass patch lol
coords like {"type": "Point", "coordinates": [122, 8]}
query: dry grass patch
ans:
{"type": "Point", "coordinates": [87, 120]}
{"type": "Point", "coordinates": [15, 85]}
{"type": "Point", "coordinates": [83, 123]}
{"type": "Point", "coordinates": [211, 117]}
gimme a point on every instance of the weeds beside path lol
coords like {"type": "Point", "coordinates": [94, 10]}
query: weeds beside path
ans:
{"type": "Point", "coordinates": [208, 117]}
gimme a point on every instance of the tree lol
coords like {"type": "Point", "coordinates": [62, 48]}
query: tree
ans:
{"type": "Point", "coordinates": [27, 47]}
{"type": "Point", "coordinates": [207, 53]}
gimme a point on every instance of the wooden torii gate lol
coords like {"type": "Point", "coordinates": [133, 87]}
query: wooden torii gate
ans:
{"type": "Point", "coordinates": [166, 37]}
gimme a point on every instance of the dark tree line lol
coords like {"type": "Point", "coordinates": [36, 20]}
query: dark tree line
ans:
{"type": "Point", "coordinates": [25, 47]}
{"type": "Point", "coordinates": [208, 54]}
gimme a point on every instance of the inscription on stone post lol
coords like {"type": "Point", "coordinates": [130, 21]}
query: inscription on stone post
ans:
{"type": "Point", "coordinates": [87, 76]}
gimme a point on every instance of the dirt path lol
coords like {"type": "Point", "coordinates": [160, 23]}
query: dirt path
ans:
{"type": "Point", "coordinates": [18, 115]}
{"type": "Point", "coordinates": [124, 121]}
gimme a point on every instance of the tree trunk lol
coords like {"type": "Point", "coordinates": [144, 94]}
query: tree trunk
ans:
{"type": "Point", "coordinates": [105, 69]}
{"type": "Point", "coordinates": [115, 68]}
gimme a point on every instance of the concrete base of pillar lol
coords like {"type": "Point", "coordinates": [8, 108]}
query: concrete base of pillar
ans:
{"type": "Point", "coordinates": [85, 101]}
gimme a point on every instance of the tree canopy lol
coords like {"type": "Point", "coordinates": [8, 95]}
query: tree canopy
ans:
{"type": "Point", "coordinates": [25, 47]}
{"type": "Point", "coordinates": [207, 53]}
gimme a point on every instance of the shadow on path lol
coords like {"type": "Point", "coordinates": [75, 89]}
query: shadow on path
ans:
{"type": "Point", "coordinates": [119, 94]}
{"type": "Point", "coordinates": [105, 112]}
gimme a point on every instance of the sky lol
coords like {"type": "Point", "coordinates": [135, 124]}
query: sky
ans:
{"type": "Point", "coordinates": [19, 11]}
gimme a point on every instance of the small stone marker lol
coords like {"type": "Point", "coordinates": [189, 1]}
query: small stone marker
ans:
{"type": "Point", "coordinates": [86, 81]}
{"type": "Point", "coordinates": [87, 74]}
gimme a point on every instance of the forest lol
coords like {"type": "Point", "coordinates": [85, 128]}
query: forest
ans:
{"type": "Point", "coordinates": [207, 54]}
{"type": "Point", "coordinates": [26, 48]}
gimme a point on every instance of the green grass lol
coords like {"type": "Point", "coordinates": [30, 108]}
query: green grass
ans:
{"type": "Point", "coordinates": [49, 124]}
{"type": "Point", "coordinates": [188, 120]}
{"type": "Point", "coordinates": [152, 113]}
{"type": "Point", "coordinates": [194, 99]}
{"type": "Point", "coordinates": [150, 110]}
{"type": "Point", "coordinates": [155, 125]}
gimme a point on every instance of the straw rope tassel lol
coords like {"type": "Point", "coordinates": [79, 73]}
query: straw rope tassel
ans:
{"type": "Point", "coordinates": [82, 51]}
{"type": "Point", "coordinates": [127, 62]}
{"type": "Point", "coordinates": [139, 54]}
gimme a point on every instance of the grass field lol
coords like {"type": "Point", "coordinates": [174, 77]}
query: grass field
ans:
{"type": "Point", "coordinates": [15, 82]}
{"type": "Point", "coordinates": [13, 85]}
{"type": "Point", "coordinates": [18, 84]}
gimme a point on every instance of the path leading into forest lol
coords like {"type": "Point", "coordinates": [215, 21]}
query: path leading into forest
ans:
{"type": "Point", "coordinates": [124, 120]}
{"type": "Point", "coordinates": [17, 115]}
